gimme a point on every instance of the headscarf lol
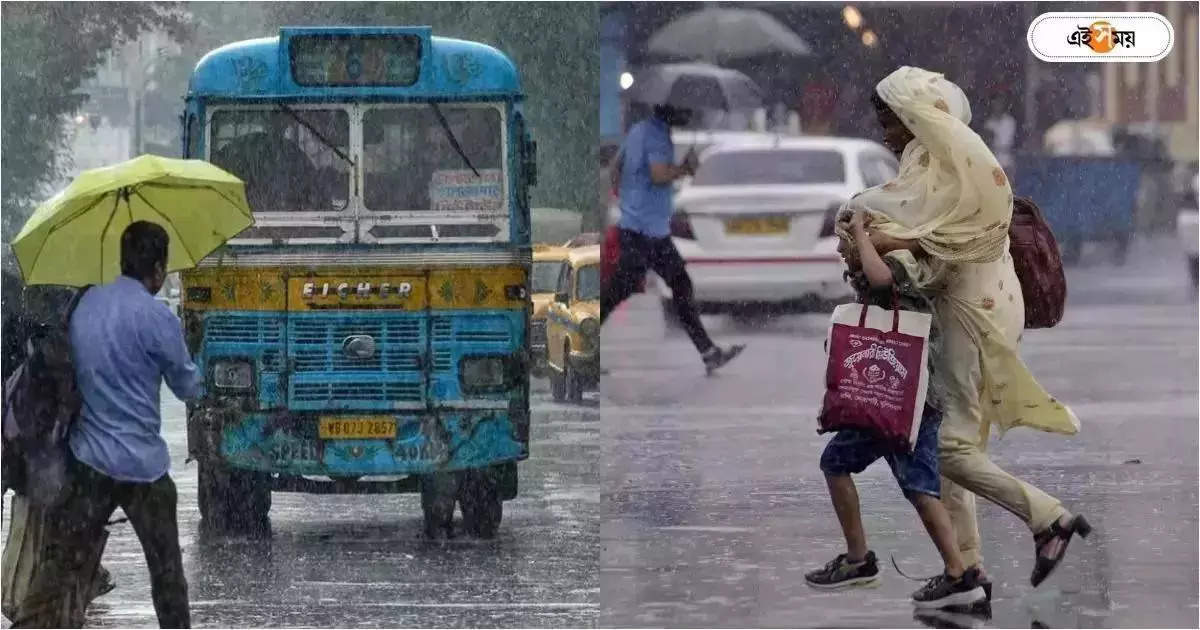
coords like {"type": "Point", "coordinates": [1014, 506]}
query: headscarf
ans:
{"type": "Point", "coordinates": [950, 195]}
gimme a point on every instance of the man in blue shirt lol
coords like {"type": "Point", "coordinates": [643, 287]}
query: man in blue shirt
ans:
{"type": "Point", "coordinates": [124, 343]}
{"type": "Point", "coordinates": [647, 170]}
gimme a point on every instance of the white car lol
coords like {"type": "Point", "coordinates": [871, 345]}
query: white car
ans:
{"type": "Point", "coordinates": [755, 224]}
{"type": "Point", "coordinates": [701, 140]}
{"type": "Point", "coordinates": [1189, 231]}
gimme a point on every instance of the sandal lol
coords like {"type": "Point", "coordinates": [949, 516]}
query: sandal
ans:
{"type": "Point", "coordinates": [103, 584]}
{"type": "Point", "coordinates": [1045, 566]}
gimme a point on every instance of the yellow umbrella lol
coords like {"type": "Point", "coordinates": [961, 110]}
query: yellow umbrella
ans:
{"type": "Point", "coordinates": [74, 238]}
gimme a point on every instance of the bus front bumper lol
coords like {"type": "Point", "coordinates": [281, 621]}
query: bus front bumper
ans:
{"type": "Point", "coordinates": [288, 443]}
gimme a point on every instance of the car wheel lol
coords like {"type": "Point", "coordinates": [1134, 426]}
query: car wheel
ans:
{"type": "Point", "coordinates": [571, 380]}
{"type": "Point", "coordinates": [558, 382]}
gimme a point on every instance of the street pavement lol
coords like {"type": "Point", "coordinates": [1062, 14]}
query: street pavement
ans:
{"type": "Point", "coordinates": [348, 561]}
{"type": "Point", "coordinates": [714, 506]}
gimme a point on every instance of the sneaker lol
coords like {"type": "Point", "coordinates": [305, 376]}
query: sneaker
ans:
{"type": "Point", "coordinates": [934, 618]}
{"type": "Point", "coordinates": [841, 573]}
{"type": "Point", "coordinates": [718, 356]}
{"type": "Point", "coordinates": [941, 591]}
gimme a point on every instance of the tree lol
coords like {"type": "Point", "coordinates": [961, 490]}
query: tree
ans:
{"type": "Point", "coordinates": [555, 47]}
{"type": "Point", "coordinates": [49, 50]}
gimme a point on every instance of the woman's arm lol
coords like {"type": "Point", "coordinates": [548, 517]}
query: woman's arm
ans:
{"type": "Point", "coordinates": [877, 272]}
{"type": "Point", "coordinates": [884, 244]}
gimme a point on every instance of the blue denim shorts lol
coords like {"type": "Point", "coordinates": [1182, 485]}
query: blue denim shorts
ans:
{"type": "Point", "coordinates": [852, 450]}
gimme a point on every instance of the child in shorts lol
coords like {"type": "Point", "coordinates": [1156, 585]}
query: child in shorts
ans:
{"type": "Point", "coordinates": [852, 450]}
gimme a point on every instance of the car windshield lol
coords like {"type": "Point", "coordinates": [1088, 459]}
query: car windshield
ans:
{"type": "Point", "coordinates": [771, 166]}
{"type": "Point", "coordinates": [286, 167]}
{"type": "Point", "coordinates": [587, 283]}
{"type": "Point", "coordinates": [545, 276]}
{"type": "Point", "coordinates": [411, 164]}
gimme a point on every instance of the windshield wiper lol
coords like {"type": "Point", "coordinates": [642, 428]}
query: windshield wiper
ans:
{"type": "Point", "coordinates": [291, 112]}
{"type": "Point", "coordinates": [450, 136]}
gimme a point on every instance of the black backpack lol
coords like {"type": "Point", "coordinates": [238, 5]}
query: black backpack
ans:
{"type": "Point", "coordinates": [41, 399]}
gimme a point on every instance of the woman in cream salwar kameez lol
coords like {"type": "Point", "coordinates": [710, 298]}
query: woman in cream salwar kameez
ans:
{"type": "Point", "coordinates": [945, 217]}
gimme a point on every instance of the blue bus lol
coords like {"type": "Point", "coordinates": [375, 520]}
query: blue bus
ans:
{"type": "Point", "coordinates": [368, 333]}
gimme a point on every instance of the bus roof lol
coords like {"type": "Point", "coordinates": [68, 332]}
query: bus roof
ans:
{"type": "Point", "coordinates": [450, 69]}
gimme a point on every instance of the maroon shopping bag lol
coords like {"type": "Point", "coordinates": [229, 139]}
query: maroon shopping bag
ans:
{"type": "Point", "coordinates": [877, 375]}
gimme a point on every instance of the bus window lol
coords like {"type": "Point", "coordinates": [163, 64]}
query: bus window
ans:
{"type": "Point", "coordinates": [286, 167]}
{"type": "Point", "coordinates": [410, 164]}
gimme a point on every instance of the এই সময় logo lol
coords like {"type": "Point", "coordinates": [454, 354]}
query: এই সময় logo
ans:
{"type": "Point", "coordinates": [1101, 37]}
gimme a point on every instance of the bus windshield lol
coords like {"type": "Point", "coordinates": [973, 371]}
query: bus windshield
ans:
{"type": "Point", "coordinates": [410, 163]}
{"type": "Point", "coordinates": [286, 167]}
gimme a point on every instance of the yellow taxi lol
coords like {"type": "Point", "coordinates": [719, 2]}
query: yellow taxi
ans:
{"type": "Point", "coordinates": [573, 326]}
{"type": "Point", "coordinates": [547, 262]}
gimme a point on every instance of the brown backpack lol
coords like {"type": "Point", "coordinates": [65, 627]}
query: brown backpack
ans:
{"type": "Point", "coordinates": [1038, 265]}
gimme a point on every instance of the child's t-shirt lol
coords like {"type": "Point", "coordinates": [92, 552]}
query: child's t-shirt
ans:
{"type": "Point", "coordinates": [908, 299]}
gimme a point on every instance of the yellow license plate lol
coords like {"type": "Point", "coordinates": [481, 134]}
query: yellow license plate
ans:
{"type": "Point", "coordinates": [358, 427]}
{"type": "Point", "coordinates": [757, 226]}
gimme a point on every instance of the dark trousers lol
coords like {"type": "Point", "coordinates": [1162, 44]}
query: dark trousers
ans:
{"type": "Point", "coordinates": [640, 253]}
{"type": "Point", "coordinates": [78, 523]}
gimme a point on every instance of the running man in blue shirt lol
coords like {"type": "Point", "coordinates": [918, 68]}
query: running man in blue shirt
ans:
{"type": "Point", "coordinates": [124, 344]}
{"type": "Point", "coordinates": [647, 170]}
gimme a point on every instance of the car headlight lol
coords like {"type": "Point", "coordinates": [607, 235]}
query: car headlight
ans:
{"type": "Point", "coordinates": [590, 329]}
{"type": "Point", "coordinates": [482, 373]}
{"type": "Point", "coordinates": [233, 374]}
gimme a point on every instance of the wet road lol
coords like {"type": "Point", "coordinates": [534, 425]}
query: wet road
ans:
{"type": "Point", "coordinates": [714, 506]}
{"type": "Point", "coordinates": [361, 561]}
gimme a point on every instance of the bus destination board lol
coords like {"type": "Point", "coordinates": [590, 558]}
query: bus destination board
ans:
{"type": "Point", "coordinates": [355, 60]}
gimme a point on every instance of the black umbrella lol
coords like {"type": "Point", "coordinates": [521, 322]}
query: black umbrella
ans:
{"type": "Point", "coordinates": [695, 86]}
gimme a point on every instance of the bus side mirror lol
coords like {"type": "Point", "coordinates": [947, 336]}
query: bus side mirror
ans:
{"type": "Point", "coordinates": [562, 298]}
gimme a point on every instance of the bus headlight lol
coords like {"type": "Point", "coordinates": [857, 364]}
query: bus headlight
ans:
{"type": "Point", "coordinates": [233, 374]}
{"type": "Point", "coordinates": [482, 373]}
{"type": "Point", "coordinates": [590, 329]}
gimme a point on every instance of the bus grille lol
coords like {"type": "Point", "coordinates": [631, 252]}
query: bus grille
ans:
{"type": "Point", "coordinates": [316, 345]}
{"type": "Point", "coordinates": [324, 377]}
{"type": "Point", "coordinates": [324, 394]}
{"type": "Point", "coordinates": [243, 329]}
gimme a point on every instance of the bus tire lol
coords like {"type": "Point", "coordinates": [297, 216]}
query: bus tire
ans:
{"type": "Point", "coordinates": [438, 492]}
{"type": "Point", "coordinates": [479, 500]}
{"type": "Point", "coordinates": [234, 501]}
